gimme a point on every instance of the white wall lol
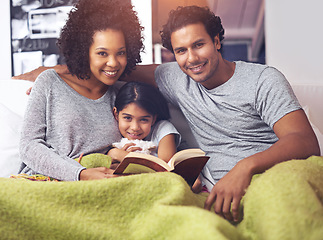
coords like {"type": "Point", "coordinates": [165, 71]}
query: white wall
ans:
{"type": "Point", "coordinates": [5, 46]}
{"type": "Point", "coordinates": [143, 7]}
{"type": "Point", "coordinates": [294, 39]}
{"type": "Point", "coordinates": [144, 10]}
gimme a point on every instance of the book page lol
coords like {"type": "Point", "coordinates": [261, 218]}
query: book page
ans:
{"type": "Point", "coordinates": [148, 161]}
{"type": "Point", "coordinates": [185, 154]}
{"type": "Point", "coordinates": [134, 168]}
{"type": "Point", "coordinates": [148, 157]}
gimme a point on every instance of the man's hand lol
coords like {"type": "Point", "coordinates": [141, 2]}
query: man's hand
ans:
{"type": "Point", "coordinates": [32, 75]}
{"type": "Point", "coordinates": [297, 140]}
{"type": "Point", "coordinates": [96, 173]}
{"type": "Point", "coordinates": [228, 192]}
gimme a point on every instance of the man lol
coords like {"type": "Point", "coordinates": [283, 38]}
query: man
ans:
{"type": "Point", "coordinates": [244, 116]}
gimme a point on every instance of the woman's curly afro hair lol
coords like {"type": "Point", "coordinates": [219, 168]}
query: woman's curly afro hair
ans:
{"type": "Point", "coordinates": [89, 16]}
{"type": "Point", "coordinates": [183, 16]}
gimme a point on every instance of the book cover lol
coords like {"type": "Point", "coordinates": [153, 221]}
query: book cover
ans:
{"type": "Point", "coordinates": [188, 163]}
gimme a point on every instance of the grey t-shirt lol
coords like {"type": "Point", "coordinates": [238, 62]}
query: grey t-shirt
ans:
{"type": "Point", "coordinates": [60, 124]}
{"type": "Point", "coordinates": [234, 120]}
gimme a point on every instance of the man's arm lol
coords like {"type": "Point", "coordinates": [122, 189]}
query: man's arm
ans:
{"type": "Point", "coordinates": [142, 73]}
{"type": "Point", "coordinates": [297, 140]}
{"type": "Point", "coordinates": [32, 75]}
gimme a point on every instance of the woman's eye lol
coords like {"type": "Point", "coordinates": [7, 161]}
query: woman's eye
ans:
{"type": "Point", "coordinates": [127, 118]}
{"type": "Point", "coordinates": [122, 53]}
{"type": "Point", "coordinates": [102, 54]}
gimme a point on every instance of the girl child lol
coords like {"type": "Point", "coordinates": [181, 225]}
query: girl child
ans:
{"type": "Point", "coordinates": [142, 114]}
{"type": "Point", "coordinates": [67, 113]}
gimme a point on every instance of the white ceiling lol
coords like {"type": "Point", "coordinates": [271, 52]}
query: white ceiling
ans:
{"type": "Point", "coordinates": [241, 19]}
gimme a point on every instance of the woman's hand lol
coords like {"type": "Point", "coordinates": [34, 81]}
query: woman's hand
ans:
{"type": "Point", "coordinates": [96, 173]}
{"type": "Point", "coordinates": [28, 91]}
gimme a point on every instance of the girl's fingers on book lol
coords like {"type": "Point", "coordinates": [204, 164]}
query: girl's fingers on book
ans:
{"type": "Point", "coordinates": [127, 146]}
{"type": "Point", "coordinates": [133, 149]}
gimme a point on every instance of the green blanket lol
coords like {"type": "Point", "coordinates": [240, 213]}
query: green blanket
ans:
{"type": "Point", "coordinates": [283, 203]}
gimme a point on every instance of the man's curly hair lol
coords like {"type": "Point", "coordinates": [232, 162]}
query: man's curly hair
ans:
{"type": "Point", "coordinates": [89, 16]}
{"type": "Point", "coordinates": [183, 16]}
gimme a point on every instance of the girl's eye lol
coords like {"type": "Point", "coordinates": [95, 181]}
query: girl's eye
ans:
{"type": "Point", "coordinates": [145, 120]}
{"type": "Point", "coordinates": [127, 118]}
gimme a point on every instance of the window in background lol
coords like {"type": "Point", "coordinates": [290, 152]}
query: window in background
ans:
{"type": "Point", "coordinates": [35, 27]}
{"type": "Point", "coordinates": [243, 21]}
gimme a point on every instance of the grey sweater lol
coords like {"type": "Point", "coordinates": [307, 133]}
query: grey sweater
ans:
{"type": "Point", "coordinates": [60, 124]}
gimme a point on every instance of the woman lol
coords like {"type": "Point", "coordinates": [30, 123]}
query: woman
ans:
{"type": "Point", "coordinates": [70, 114]}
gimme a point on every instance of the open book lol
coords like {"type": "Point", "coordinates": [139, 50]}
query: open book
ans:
{"type": "Point", "coordinates": [188, 163]}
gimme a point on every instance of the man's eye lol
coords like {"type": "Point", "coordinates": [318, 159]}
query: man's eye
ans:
{"type": "Point", "coordinates": [198, 45]}
{"type": "Point", "coordinates": [181, 51]}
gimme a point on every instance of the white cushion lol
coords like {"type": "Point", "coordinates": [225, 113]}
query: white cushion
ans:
{"type": "Point", "coordinates": [317, 131]}
{"type": "Point", "coordinates": [13, 94]}
{"type": "Point", "coordinates": [13, 102]}
{"type": "Point", "coordinates": [312, 97]}
{"type": "Point", "coordinates": [10, 126]}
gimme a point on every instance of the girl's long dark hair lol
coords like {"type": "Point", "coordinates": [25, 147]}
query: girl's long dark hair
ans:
{"type": "Point", "coordinates": [145, 96]}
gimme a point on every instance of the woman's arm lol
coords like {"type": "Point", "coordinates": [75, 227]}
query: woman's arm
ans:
{"type": "Point", "coordinates": [35, 150]}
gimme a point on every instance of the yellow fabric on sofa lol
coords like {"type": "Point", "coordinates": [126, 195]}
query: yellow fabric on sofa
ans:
{"type": "Point", "coordinates": [285, 202]}
{"type": "Point", "coordinates": [147, 206]}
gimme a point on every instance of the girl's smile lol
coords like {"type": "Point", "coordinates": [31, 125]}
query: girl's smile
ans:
{"type": "Point", "coordinates": [134, 122]}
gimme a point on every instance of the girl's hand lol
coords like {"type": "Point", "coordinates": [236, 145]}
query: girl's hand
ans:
{"type": "Point", "coordinates": [197, 186]}
{"type": "Point", "coordinates": [119, 154]}
{"type": "Point", "coordinates": [96, 173]}
{"type": "Point", "coordinates": [129, 147]}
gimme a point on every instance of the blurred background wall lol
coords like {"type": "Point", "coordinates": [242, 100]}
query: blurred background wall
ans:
{"type": "Point", "coordinates": [283, 33]}
{"type": "Point", "coordinates": [294, 39]}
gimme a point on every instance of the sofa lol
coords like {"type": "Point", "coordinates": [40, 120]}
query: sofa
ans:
{"type": "Point", "coordinates": [13, 100]}
{"type": "Point", "coordinates": [285, 202]}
